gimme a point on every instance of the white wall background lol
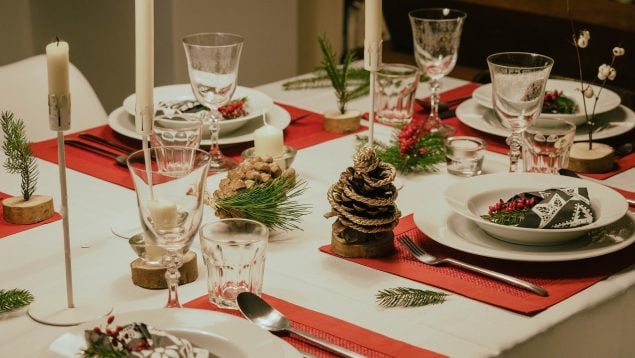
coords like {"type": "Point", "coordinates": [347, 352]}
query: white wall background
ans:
{"type": "Point", "coordinates": [280, 36]}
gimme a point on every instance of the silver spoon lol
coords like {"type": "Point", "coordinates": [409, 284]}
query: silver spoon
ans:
{"type": "Point", "coordinates": [262, 314]}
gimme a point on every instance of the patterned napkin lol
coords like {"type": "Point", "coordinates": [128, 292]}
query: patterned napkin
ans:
{"type": "Point", "coordinates": [556, 208]}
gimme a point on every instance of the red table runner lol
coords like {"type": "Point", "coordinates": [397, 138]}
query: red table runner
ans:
{"type": "Point", "coordinates": [7, 228]}
{"type": "Point", "coordinates": [333, 330]}
{"type": "Point", "coordinates": [560, 279]}
{"type": "Point", "coordinates": [497, 144]}
{"type": "Point", "coordinates": [299, 134]}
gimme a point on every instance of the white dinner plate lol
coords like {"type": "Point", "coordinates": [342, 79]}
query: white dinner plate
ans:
{"type": "Point", "coordinates": [453, 230]}
{"type": "Point", "coordinates": [471, 198]}
{"type": "Point", "coordinates": [608, 100]}
{"type": "Point", "coordinates": [222, 334]}
{"type": "Point", "coordinates": [123, 123]}
{"type": "Point", "coordinates": [610, 124]}
{"type": "Point", "coordinates": [257, 102]}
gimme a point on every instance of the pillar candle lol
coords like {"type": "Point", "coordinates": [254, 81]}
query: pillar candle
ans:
{"type": "Point", "coordinates": [144, 60]}
{"type": "Point", "coordinates": [163, 214]}
{"type": "Point", "coordinates": [268, 140]}
{"type": "Point", "coordinates": [373, 21]}
{"type": "Point", "coordinates": [57, 66]}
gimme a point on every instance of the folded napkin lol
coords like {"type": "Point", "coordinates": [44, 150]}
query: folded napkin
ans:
{"type": "Point", "coordinates": [141, 340]}
{"type": "Point", "coordinates": [7, 228]}
{"type": "Point", "coordinates": [331, 329]}
{"type": "Point", "coordinates": [556, 208]}
{"type": "Point", "coordinates": [561, 279]}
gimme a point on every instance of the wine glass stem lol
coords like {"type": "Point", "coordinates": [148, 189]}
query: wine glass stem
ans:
{"type": "Point", "coordinates": [214, 151]}
{"type": "Point", "coordinates": [172, 261]}
{"type": "Point", "coordinates": [514, 142]}
{"type": "Point", "coordinates": [435, 86]}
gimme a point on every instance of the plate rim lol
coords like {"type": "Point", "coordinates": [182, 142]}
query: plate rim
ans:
{"type": "Point", "coordinates": [612, 99]}
{"type": "Point", "coordinates": [282, 116]}
{"type": "Point", "coordinates": [177, 318]}
{"type": "Point", "coordinates": [472, 114]}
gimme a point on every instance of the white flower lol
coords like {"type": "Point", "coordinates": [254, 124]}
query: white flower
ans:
{"type": "Point", "coordinates": [618, 51]}
{"type": "Point", "coordinates": [612, 74]}
{"type": "Point", "coordinates": [582, 42]}
{"type": "Point", "coordinates": [588, 92]}
{"type": "Point", "coordinates": [603, 71]}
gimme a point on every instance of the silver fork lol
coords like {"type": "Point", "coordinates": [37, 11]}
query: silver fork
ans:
{"type": "Point", "coordinates": [420, 254]}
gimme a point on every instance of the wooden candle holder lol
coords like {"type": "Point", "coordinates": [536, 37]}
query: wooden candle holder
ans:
{"type": "Point", "coordinates": [16, 210]}
{"type": "Point", "coordinates": [153, 276]}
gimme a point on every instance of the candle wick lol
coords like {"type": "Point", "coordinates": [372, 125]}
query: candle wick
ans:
{"type": "Point", "coordinates": [57, 40]}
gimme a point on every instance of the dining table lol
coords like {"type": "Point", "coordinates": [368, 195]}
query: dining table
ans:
{"type": "Point", "coordinates": [594, 319]}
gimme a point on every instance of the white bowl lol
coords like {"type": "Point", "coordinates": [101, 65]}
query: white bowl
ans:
{"type": "Point", "coordinates": [257, 103]}
{"type": "Point", "coordinates": [608, 100]}
{"type": "Point", "coordinates": [471, 198]}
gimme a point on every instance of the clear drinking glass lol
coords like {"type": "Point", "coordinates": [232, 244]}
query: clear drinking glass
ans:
{"type": "Point", "coordinates": [212, 62]}
{"type": "Point", "coordinates": [546, 145]}
{"type": "Point", "coordinates": [518, 90]}
{"type": "Point", "coordinates": [182, 130]}
{"type": "Point", "coordinates": [436, 34]}
{"type": "Point", "coordinates": [170, 204]}
{"type": "Point", "coordinates": [234, 254]}
{"type": "Point", "coordinates": [395, 92]}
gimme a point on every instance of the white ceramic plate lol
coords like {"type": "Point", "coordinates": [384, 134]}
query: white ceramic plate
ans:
{"type": "Point", "coordinates": [610, 124]}
{"type": "Point", "coordinates": [257, 102]}
{"type": "Point", "coordinates": [471, 198]}
{"type": "Point", "coordinates": [123, 123]}
{"type": "Point", "coordinates": [453, 230]}
{"type": "Point", "coordinates": [608, 100]}
{"type": "Point", "coordinates": [222, 334]}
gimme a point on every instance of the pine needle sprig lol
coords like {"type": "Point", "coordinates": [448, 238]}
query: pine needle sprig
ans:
{"type": "Point", "coordinates": [513, 217]}
{"type": "Point", "coordinates": [338, 75]}
{"type": "Point", "coordinates": [19, 157]}
{"type": "Point", "coordinates": [14, 299]}
{"type": "Point", "coordinates": [272, 204]}
{"type": "Point", "coordinates": [428, 152]}
{"type": "Point", "coordinates": [409, 297]}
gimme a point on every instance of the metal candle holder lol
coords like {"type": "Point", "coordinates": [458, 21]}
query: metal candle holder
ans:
{"type": "Point", "coordinates": [48, 311]}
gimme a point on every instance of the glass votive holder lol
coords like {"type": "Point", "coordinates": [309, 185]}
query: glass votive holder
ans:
{"type": "Point", "coordinates": [464, 155]}
{"type": "Point", "coordinates": [546, 145]}
{"type": "Point", "coordinates": [395, 90]}
{"type": "Point", "coordinates": [284, 161]}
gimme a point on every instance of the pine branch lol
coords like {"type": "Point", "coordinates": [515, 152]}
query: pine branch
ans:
{"type": "Point", "coordinates": [20, 158]}
{"type": "Point", "coordinates": [14, 299]}
{"type": "Point", "coordinates": [338, 75]}
{"type": "Point", "coordinates": [408, 297]}
{"type": "Point", "coordinates": [513, 217]}
{"type": "Point", "coordinates": [272, 203]}
{"type": "Point", "coordinates": [428, 152]}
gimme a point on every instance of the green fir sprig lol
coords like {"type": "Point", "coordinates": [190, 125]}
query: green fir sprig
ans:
{"type": "Point", "coordinates": [20, 158]}
{"type": "Point", "coordinates": [272, 204]}
{"type": "Point", "coordinates": [427, 153]}
{"type": "Point", "coordinates": [409, 297]}
{"type": "Point", "coordinates": [14, 299]}
{"type": "Point", "coordinates": [512, 218]}
{"type": "Point", "coordinates": [337, 74]}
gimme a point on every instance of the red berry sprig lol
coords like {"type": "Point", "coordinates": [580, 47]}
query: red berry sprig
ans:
{"type": "Point", "coordinates": [234, 109]}
{"type": "Point", "coordinates": [510, 212]}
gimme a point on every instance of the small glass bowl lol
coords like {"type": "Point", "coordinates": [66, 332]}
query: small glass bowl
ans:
{"type": "Point", "coordinates": [285, 160]}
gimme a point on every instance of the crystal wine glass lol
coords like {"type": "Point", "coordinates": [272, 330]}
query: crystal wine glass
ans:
{"type": "Point", "coordinates": [170, 203]}
{"type": "Point", "coordinates": [436, 33]}
{"type": "Point", "coordinates": [518, 90]}
{"type": "Point", "coordinates": [212, 62]}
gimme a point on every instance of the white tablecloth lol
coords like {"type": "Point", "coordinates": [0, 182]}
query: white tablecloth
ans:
{"type": "Point", "coordinates": [600, 321]}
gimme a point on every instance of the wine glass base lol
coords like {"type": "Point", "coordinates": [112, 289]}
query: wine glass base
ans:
{"type": "Point", "coordinates": [444, 130]}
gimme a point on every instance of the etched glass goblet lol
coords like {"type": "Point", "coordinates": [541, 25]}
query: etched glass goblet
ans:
{"type": "Point", "coordinates": [436, 34]}
{"type": "Point", "coordinates": [518, 90]}
{"type": "Point", "coordinates": [170, 203]}
{"type": "Point", "coordinates": [212, 62]}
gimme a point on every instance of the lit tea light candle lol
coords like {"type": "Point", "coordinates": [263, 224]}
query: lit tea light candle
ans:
{"type": "Point", "coordinates": [268, 140]}
{"type": "Point", "coordinates": [57, 67]}
{"type": "Point", "coordinates": [163, 214]}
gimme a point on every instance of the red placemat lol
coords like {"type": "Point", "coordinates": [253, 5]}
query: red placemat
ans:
{"type": "Point", "coordinates": [299, 134]}
{"type": "Point", "coordinates": [7, 228]}
{"type": "Point", "coordinates": [333, 330]}
{"type": "Point", "coordinates": [560, 279]}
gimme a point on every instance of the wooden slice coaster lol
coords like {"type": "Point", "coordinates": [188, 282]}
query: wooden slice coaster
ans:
{"type": "Point", "coordinates": [17, 211]}
{"type": "Point", "coordinates": [335, 122]}
{"type": "Point", "coordinates": [153, 276]}
{"type": "Point", "coordinates": [382, 246]}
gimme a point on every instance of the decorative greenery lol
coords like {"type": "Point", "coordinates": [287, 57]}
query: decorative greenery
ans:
{"type": "Point", "coordinates": [270, 203]}
{"type": "Point", "coordinates": [14, 299]}
{"type": "Point", "coordinates": [510, 218]}
{"type": "Point", "coordinates": [409, 297]}
{"type": "Point", "coordinates": [606, 72]}
{"type": "Point", "coordinates": [338, 75]}
{"type": "Point", "coordinates": [556, 103]}
{"type": "Point", "coordinates": [18, 152]}
{"type": "Point", "coordinates": [511, 212]}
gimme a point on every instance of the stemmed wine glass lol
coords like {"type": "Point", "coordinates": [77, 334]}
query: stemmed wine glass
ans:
{"type": "Point", "coordinates": [170, 203]}
{"type": "Point", "coordinates": [518, 90]}
{"type": "Point", "coordinates": [436, 33]}
{"type": "Point", "coordinates": [212, 62]}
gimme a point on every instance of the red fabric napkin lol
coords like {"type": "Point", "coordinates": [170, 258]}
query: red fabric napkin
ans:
{"type": "Point", "coordinates": [336, 331]}
{"type": "Point", "coordinates": [299, 134]}
{"type": "Point", "coordinates": [7, 228]}
{"type": "Point", "coordinates": [560, 279]}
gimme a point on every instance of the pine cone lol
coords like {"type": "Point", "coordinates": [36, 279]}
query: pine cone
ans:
{"type": "Point", "coordinates": [364, 198]}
